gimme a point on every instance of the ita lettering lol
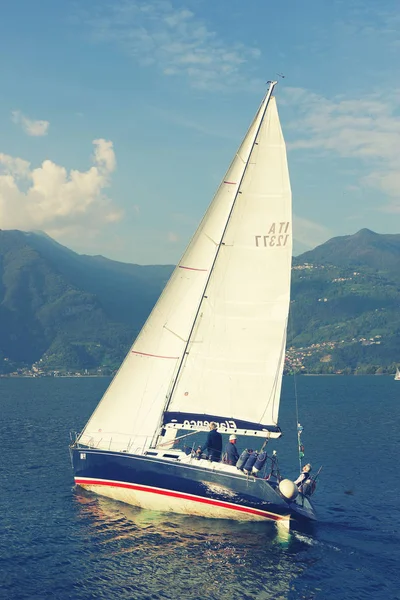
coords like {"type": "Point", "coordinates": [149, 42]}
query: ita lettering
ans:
{"type": "Point", "coordinates": [277, 236]}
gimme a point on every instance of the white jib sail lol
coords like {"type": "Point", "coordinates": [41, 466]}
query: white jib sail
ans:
{"type": "Point", "coordinates": [129, 412]}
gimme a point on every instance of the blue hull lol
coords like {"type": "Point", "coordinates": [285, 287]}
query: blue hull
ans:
{"type": "Point", "coordinates": [190, 487]}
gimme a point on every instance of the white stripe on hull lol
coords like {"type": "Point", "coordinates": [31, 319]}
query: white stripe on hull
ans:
{"type": "Point", "coordinates": [181, 505]}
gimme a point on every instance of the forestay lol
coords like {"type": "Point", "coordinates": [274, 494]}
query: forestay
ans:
{"type": "Point", "coordinates": [214, 343]}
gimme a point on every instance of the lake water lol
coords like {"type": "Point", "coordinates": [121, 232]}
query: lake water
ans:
{"type": "Point", "coordinates": [58, 543]}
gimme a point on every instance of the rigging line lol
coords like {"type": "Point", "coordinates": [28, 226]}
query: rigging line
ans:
{"type": "Point", "coordinates": [295, 393]}
{"type": "Point", "coordinates": [273, 395]}
{"type": "Point", "coordinates": [266, 104]}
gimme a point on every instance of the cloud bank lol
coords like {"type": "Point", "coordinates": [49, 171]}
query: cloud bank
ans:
{"type": "Point", "coordinates": [366, 129]}
{"type": "Point", "coordinates": [174, 41]}
{"type": "Point", "coordinates": [31, 127]}
{"type": "Point", "coordinates": [62, 203]}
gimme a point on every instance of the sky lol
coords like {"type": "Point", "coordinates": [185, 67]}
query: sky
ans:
{"type": "Point", "coordinates": [118, 118]}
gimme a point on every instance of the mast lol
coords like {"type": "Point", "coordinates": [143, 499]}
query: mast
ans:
{"type": "Point", "coordinates": [266, 100]}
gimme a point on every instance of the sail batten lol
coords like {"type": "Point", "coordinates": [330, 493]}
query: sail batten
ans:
{"type": "Point", "coordinates": [213, 342]}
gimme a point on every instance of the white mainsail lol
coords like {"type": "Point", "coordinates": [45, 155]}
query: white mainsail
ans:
{"type": "Point", "coordinates": [215, 341]}
{"type": "Point", "coordinates": [234, 361]}
{"type": "Point", "coordinates": [397, 375]}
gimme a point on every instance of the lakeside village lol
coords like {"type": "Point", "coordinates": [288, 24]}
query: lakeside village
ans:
{"type": "Point", "coordinates": [297, 360]}
{"type": "Point", "coordinates": [38, 371]}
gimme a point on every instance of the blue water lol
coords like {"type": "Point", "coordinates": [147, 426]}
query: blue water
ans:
{"type": "Point", "coordinates": [60, 544]}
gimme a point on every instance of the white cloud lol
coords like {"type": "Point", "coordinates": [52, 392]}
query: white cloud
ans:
{"type": "Point", "coordinates": [174, 41]}
{"type": "Point", "coordinates": [16, 167]}
{"type": "Point", "coordinates": [379, 23]}
{"type": "Point", "coordinates": [366, 129]}
{"type": "Point", "coordinates": [52, 199]}
{"type": "Point", "coordinates": [34, 128]}
{"type": "Point", "coordinates": [104, 155]}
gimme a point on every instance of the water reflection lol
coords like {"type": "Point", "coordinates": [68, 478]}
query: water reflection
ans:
{"type": "Point", "coordinates": [158, 555]}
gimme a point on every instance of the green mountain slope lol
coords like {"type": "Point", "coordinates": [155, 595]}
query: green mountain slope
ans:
{"type": "Point", "coordinates": [345, 310]}
{"type": "Point", "coordinates": [366, 249]}
{"type": "Point", "coordinates": [67, 310]}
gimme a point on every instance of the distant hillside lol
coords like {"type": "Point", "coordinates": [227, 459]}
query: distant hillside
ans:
{"type": "Point", "coordinates": [69, 310]}
{"type": "Point", "coordinates": [65, 311]}
{"type": "Point", "coordinates": [345, 305]}
{"type": "Point", "coordinates": [365, 249]}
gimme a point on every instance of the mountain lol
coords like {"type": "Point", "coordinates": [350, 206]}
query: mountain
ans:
{"type": "Point", "coordinates": [69, 310]}
{"type": "Point", "coordinates": [345, 305]}
{"type": "Point", "coordinates": [63, 311]}
{"type": "Point", "coordinates": [380, 252]}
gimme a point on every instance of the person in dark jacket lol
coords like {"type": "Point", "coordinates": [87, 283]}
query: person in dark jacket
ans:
{"type": "Point", "coordinates": [213, 445]}
{"type": "Point", "coordinates": [231, 452]}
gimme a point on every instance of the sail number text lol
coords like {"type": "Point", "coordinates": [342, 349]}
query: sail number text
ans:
{"type": "Point", "coordinates": [277, 235]}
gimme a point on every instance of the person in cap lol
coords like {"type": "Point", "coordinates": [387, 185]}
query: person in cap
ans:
{"type": "Point", "coordinates": [213, 444]}
{"type": "Point", "coordinates": [231, 452]}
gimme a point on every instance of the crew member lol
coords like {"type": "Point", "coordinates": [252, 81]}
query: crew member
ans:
{"type": "Point", "coordinates": [213, 445]}
{"type": "Point", "coordinates": [231, 453]}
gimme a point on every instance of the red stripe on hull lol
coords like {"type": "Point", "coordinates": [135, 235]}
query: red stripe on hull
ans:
{"type": "Point", "coordinates": [219, 503]}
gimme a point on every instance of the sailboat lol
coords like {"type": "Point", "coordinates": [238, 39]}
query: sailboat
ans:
{"type": "Point", "coordinates": [211, 351]}
{"type": "Point", "coordinates": [397, 375]}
